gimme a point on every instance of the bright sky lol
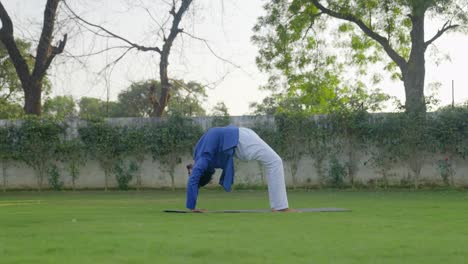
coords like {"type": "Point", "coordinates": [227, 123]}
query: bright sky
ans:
{"type": "Point", "coordinates": [226, 24]}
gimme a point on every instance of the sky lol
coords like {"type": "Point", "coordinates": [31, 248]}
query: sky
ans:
{"type": "Point", "coordinates": [227, 27]}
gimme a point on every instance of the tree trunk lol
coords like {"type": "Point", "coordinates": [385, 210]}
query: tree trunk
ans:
{"type": "Point", "coordinates": [158, 109]}
{"type": "Point", "coordinates": [293, 166]}
{"type": "Point", "coordinates": [171, 173]}
{"type": "Point", "coordinates": [415, 71]}
{"type": "Point", "coordinates": [31, 81]}
{"type": "Point", "coordinates": [4, 174]}
{"type": "Point", "coordinates": [106, 177]}
{"type": "Point", "coordinates": [40, 176]}
{"type": "Point", "coordinates": [319, 169]}
{"type": "Point", "coordinates": [262, 173]}
{"type": "Point", "coordinates": [165, 87]}
{"type": "Point", "coordinates": [32, 97]}
{"type": "Point", "coordinates": [138, 175]}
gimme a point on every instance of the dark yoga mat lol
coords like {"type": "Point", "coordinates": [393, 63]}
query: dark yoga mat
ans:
{"type": "Point", "coordinates": [301, 210]}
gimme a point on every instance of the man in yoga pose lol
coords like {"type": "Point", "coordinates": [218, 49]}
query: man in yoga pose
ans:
{"type": "Point", "coordinates": [216, 150]}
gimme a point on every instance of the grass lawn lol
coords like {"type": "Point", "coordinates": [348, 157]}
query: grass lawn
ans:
{"type": "Point", "coordinates": [129, 227]}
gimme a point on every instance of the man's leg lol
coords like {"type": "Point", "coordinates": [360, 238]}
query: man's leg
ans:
{"type": "Point", "coordinates": [252, 147]}
{"type": "Point", "coordinates": [275, 177]}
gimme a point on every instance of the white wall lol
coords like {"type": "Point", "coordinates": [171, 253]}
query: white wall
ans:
{"type": "Point", "coordinates": [19, 176]}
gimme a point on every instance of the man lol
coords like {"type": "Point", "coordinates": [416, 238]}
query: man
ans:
{"type": "Point", "coordinates": [216, 150]}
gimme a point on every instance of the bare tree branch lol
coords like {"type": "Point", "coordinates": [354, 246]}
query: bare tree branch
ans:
{"type": "Point", "coordinates": [211, 50]}
{"type": "Point", "coordinates": [32, 82]}
{"type": "Point", "coordinates": [114, 62]}
{"type": "Point", "coordinates": [163, 64]}
{"type": "Point", "coordinates": [447, 26]}
{"type": "Point", "coordinates": [311, 25]}
{"type": "Point", "coordinates": [134, 45]}
{"type": "Point", "coordinates": [7, 38]}
{"type": "Point", "coordinates": [95, 53]}
{"type": "Point", "coordinates": [45, 52]}
{"type": "Point", "coordinates": [397, 58]}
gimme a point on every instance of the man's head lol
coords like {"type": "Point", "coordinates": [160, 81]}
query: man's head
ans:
{"type": "Point", "coordinates": [205, 178]}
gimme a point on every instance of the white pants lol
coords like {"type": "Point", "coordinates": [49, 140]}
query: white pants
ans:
{"type": "Point", "coordinates": [252, 147]}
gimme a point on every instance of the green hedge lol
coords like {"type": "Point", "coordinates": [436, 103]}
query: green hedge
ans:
{"type": "Point", "coordinates": [119, 150]}
{"type": "Point", "coordinates": [335, 142]}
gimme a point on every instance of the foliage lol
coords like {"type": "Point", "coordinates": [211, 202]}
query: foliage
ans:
{"type": "Point", "coordinates": [335, 141]}
{"type": "Point", "coordinates": [320, 143]}
{"type": "Point", "coordinates": [8, 151]}
{"type": "Point", "coordinates": [446, 170]}
{"type": "Point", "coordinates": [54, 178]}
{"type": "Point", "coordinates": [350, 129]}
{"type": "Point", "coordinates": [336, 173]}
{"type": "Point", "coordinates": [38, 141]}
{"type": "Point", "coordinates": [136, 141]}
{"type": "Point", "coordinates": [173, 139]}
{"type": "Point", "coordinates": [9, 110]}
{"type": "Point", "coordinates": [449, 127]}
{"type": "Point", "coordinates": [220, 115]}
{"type": "Point", "coordinates": [185, 100]}
{"type": "Point", "coordinates": [385, 145]}
{"type": "Point", "coordinates": [60, 107]}
{"type": "Point", "coordinates": [93, 108]}
{"type": "Point", "coordinates": [135, 101]}
{"type": "Point", "coordinates": [125, 174]}
{"type": "Point", "coordinates": [291, 139]}
{"type": "Point", "coordinates": [73, 153]}
{"type": "Point", "coordinates": [314, 54]}
{"type": "Point", "coordinates": [10, 85]}
{"type": "Point", "coordinates": [7, 143]}
{"type": "Point", "coordinates": [103, 143]}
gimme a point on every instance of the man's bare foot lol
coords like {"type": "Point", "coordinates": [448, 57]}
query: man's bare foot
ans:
{"type": "Point", "coordinates": [286, 210]}
{"type": "Point", "coordinates": [198, 210]}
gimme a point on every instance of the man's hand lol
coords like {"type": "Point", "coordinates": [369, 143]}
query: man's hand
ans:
{"type": "Point", "coordinates": [189, 169]}
{"type": "Point", "coordinates": [198, 210]}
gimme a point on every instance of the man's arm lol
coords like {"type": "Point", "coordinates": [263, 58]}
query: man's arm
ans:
{"type": "Point", "coordinates": [192, 185]}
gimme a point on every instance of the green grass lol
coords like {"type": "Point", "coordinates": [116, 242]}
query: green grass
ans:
{"type": "Point", "coordinates": [129, 227]}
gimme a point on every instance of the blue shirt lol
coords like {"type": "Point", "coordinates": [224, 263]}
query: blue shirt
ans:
{"type": "Point", "coordinates": [214, 150]}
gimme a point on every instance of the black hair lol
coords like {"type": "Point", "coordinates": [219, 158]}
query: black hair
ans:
{"type": "Point", "coordinates": [205, 178]}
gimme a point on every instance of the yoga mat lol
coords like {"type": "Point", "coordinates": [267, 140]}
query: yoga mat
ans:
{"type": "Point", "coordinates": [301, 210]}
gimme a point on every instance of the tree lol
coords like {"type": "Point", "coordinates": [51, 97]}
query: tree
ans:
{"type": "Point", "coordinates": [171, 140]}
{"type": "Point", "coordinates": [177, 11]}
{"type": "Point", "coordinates": [289, 36]}
{"type": "Point", "coordinates": [8, 151]}
{"type": "Point", "coordinates": [38, 141]}
{"type": "Point", "coordinates": [135, 99]}
{"type": "Point", "coordinates": [73, 153]}
{"type": "Point", "coordinates": [93, 108]}
{"type": "Point", "coordinates": [103, 143]}
{"type": "Point", "coordinates": [221, 115]}
{"type": "Point", "coordinates": [185, 99]}
{"type": "Point", "coordinates": [32, 80]}
{"type": "Point", "coordinates": [292, 139]}
{"type": "Point", "coordinates": [9, 110]}
{"type": "Point", "coordinates": [10, 84]}
{"type": "Point", "coordinates": [60, 107]}
{"type": "Point", "coordinates": [278, 103]}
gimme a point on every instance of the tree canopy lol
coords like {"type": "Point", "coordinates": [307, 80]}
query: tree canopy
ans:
{"type": "Point", "coordinates": [135, 101]}
{"type": "Point", "coordinates": [313, 42]}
